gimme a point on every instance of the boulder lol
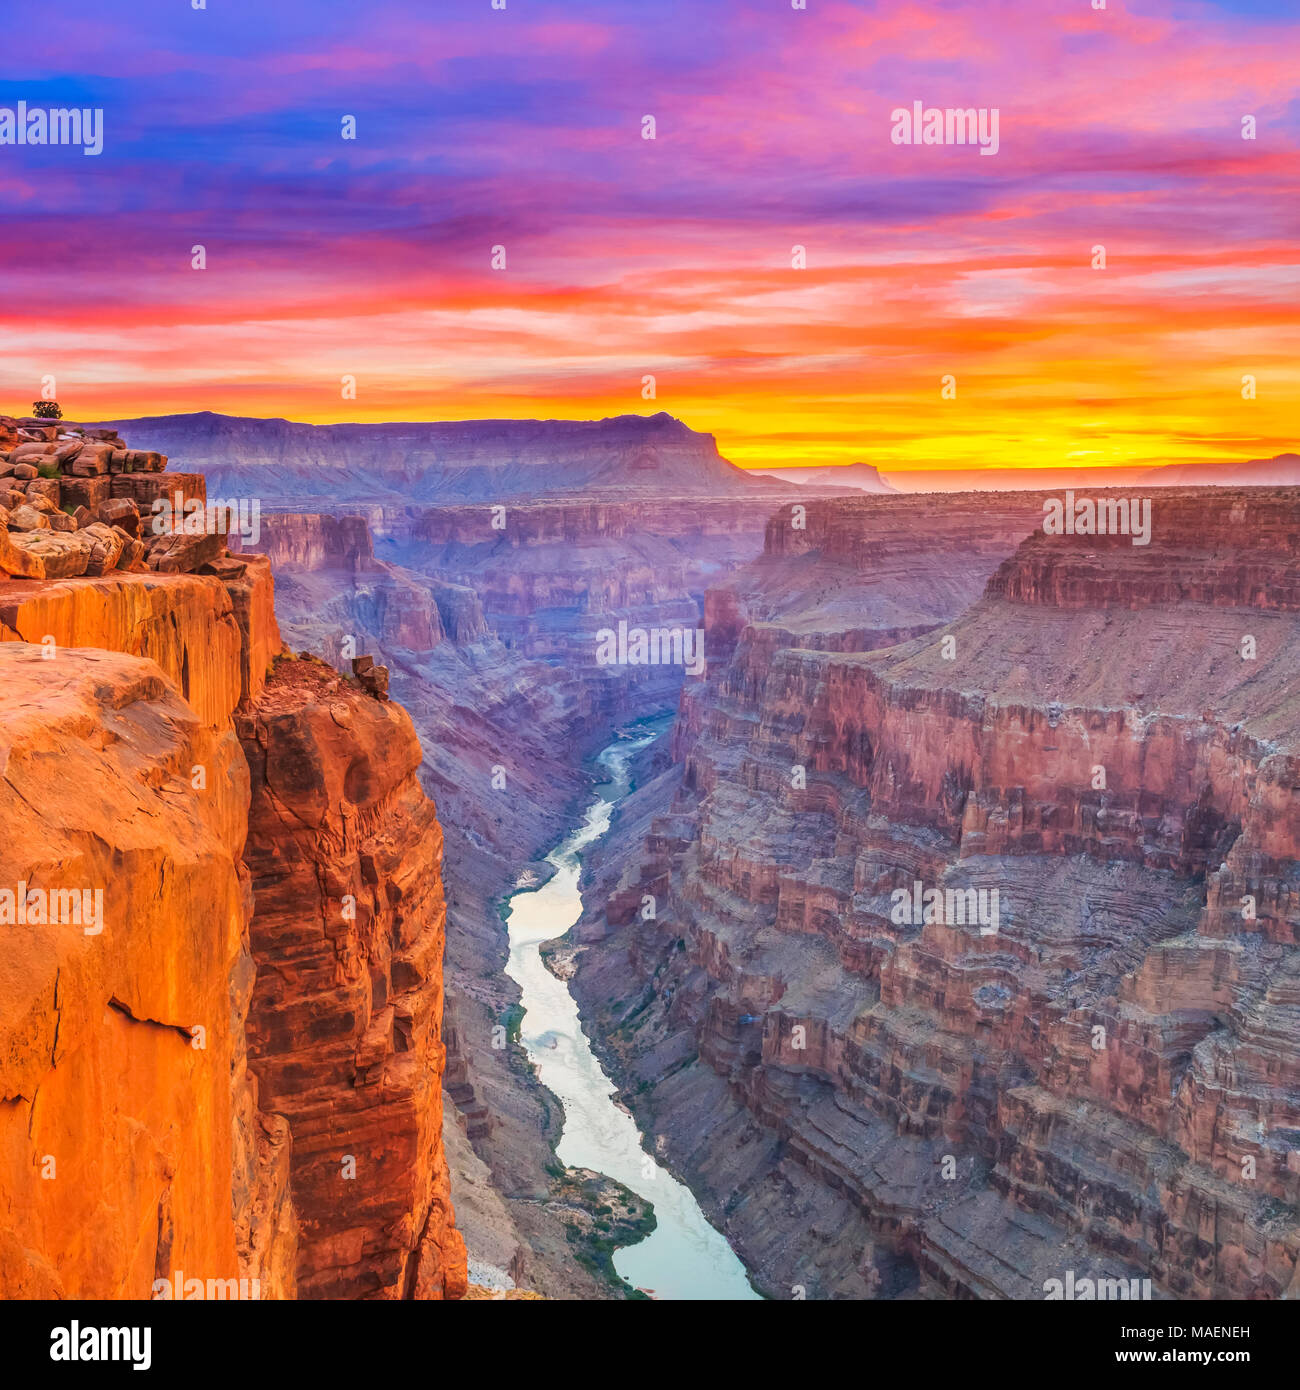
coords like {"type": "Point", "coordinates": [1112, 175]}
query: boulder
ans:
{"type": "Point", "coordinates": [133, 552]}
{"type": "Point", "coordinates": [120, 511]}
{"type": "Point", "coordinates": [106, 547]}
{"type": "Point", "coordinates": [28, 518]}
{"type": "Point", "coordinates": [225, 567]}
{"type": "Point", "coordinates": [47, 488]}
{"type": "Point", "coordinates": [86, 492]}
{"type": "Point", "coordinates": [16, 560]}
{"type": "Point", "coordinates": [25, 471]}
{"type": "Point", "coordinates": [181, 554]}
{"type": "Point", "coordinates": [62, 555]}
{"type": "Point", "coordinates": [374, 679]}
{"type": "Point", "coordinates": [32, 452]}
{"type": "Point", "coordinates": [91, 461]}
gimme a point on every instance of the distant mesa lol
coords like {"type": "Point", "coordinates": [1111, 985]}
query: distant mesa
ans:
{"type": "Point", "coordinates": [1281, 471]}
{"type": "Point", "coordinates": [863, 476]}
{"type": "Point", "coordinates": [287, 464]}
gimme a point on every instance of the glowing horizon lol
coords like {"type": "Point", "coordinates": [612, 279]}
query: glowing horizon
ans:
{"type": "Point", "coordinates": [673, 257]}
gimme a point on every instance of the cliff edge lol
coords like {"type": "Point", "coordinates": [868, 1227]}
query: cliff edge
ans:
{"type": "Point", "coordinates": [189, 1040]}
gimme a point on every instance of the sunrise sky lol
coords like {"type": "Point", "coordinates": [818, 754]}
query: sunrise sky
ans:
{"type": "Point", "coordinates": [626, 257]}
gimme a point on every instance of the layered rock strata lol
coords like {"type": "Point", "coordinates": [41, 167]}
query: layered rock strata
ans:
{"type": "Point", "coordinates": [345, 1027]}
{"type": "Point", "coordinates": [487, 619]}
{"type": "Point", "coordinates": [75, 500]}
{"type": "Point", "coordinates": [297, 467]}
{"type": "Point", "coordinates": [1098, 1075]}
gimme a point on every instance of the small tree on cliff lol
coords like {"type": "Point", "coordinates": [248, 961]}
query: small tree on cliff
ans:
{"type": "Point", "coordinates": [46, 410]}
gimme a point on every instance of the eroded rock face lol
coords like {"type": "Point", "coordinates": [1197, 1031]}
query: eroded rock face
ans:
{"type": "Point", "coordinates": [127, 1116]}
{"type": "Point", "coordinates": [185, 623]}
{"type": "Point", "coordinates": [311, 541]}
{"type": "Point", "coordinates": [348, 933]}
{"type": "Point", "coordinates": [134, 1141]}
{"type": "Point", "coordinates": [503, 735]}
{"type": "Point", "coordinates": [333, 581]}
{"type": "Point", "coordinates": [1107, 1081]}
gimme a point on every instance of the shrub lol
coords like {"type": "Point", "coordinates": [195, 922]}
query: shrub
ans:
{"type": "Point", "coordinates": [47, 410]}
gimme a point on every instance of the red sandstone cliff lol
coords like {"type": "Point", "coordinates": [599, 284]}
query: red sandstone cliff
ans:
{"type": "Point", "coordinates": [135, 1138]}
{"type": "Point", "coordinates": [345, 1026]}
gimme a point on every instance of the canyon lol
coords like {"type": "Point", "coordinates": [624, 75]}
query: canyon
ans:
{"type": "Point", "coordinates": [489, 632]}
{"type": "Point", "coordinates": [904, 693]}
{"type": "Point", "coordinates": [291, 466]}
{"type": "Point", "coordinates": [933, 691]}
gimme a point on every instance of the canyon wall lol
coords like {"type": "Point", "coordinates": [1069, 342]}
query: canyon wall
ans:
{"type": "Point", "coordinates": [292, 466]}
{"type": "Point", "coordinates": [489, 632]}
{"type": "Point", "coordinates": [151, 1116]}
{"type": "Point", "coordinates": [346, 1018]}
{"type": "Point", "coordinates": [552, 575]}
{"type": "Point", "coordinates": [503, 736]}
{"type": "Point", "coordinates": [1093, 1071]}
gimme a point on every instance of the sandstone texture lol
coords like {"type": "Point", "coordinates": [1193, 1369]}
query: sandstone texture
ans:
{"type": "Point", "coordinates": [99, 496]}
{"type": "Point", "coordinates": [127, 1117]}
{"type": "Point", "coordinates": [345, 1031]}
{"type": "Point", "coordinates": [145, 1126]}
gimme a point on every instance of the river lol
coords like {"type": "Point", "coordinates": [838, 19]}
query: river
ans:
{"type": "Point", "coordinates": [684, 1257]}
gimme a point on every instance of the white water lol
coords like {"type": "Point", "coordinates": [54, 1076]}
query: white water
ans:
{"type": "Point", "coordinates": [684, 1257]}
